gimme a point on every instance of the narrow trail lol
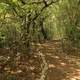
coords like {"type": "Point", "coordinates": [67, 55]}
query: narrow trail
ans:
{"type": "Point", "coordinates": [60, 65]}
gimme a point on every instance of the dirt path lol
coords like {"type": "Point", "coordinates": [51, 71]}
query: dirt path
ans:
{"type": "Point", "coordinates": [60, 65]}
{"type": "Point", "coordinates": [56, 64]}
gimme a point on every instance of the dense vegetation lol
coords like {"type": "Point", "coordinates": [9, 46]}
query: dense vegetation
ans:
{"type": "Point", "coordinates": [25, 23]}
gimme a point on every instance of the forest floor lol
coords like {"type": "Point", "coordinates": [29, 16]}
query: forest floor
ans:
{"type": "Point", "coordinates": [60, 65]}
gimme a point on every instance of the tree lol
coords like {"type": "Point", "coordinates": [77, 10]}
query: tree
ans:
{"type": "Point", "coordinates": [25, 14]}
{"type": "Point", "coordinates": [68, 18]}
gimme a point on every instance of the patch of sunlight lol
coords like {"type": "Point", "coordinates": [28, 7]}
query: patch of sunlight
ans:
{"type": "Point", "coordinates": [75, 75]}
{"type": "Point", "coordinates": [63, 64]}
{"type": "Point", "coordinates": [72, 79]}
{"type": "Point", "coordinates": [19, 71]}
{"type": "Point", "coordinates": [78, 63]}
{"type": "Point", "coordinates": [57, 57]}
{"type": "Point", "coordinates": [51, 66]}
{"type": "Point", "coordinates": [14, 0]}
{"type": "Point", "coordinates": [38, 44]}
{"type": "Point", "coordinates": [12, 72]}
{"type": "Point", "coordinates": [32, 68]}
{"type": "Point", "coordinates": [75, 78]}
{"type": "Point", "coordinates": [35, 56]}
{"type": "Point", "coordinates": [78, 70]}
{"type": "Point", "coordinates": [7, 69]}
{"type": "Point", "coordinates": [49, 54]}
{"type": "Point", "coordinates": [33, 73]}
{"type": "Point", "coordinates": [15, 72]}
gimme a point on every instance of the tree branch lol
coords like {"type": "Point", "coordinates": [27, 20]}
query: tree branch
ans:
{"type": "Point", "coordinates": [44, 8]}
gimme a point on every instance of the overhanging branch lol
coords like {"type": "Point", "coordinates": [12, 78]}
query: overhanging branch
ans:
{"type": "Point", "coordinates": [44, 8]}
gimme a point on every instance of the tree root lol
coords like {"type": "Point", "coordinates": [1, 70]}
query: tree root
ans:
{"type": "Point", "coordinates": [44, 67]}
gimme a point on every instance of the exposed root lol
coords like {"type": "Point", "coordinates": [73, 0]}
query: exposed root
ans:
{"type": "Point", "coordinates": [44, 67]}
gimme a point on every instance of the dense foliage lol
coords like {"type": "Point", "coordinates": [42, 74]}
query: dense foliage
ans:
{"type": "Point", "coordinates": [39, 39]}
{"type": "Point", "coordinates": [24, 22]}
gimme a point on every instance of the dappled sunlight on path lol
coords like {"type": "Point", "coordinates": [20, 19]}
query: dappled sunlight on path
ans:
{"type": "Point", "coordinates": [60, 65]}
{"type": "Point", "coordinates": [48, 61]}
